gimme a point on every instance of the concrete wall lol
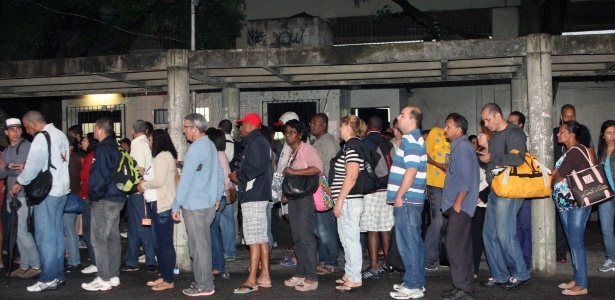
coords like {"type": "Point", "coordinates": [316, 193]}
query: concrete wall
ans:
{"type": "Point", "coordinates": [286, 33]}
{"type": "Point", "coordinates": [390, 98]}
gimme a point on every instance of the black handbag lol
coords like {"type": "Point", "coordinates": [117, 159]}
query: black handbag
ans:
{"type": "Point", "coordinates": [38, 189]}
{"type": "Point", "coordinates": [589, 186]}
{"type": "Point", "coordinates": [299, 186]}
{"type": "Point", "coordinates": [74, 205]}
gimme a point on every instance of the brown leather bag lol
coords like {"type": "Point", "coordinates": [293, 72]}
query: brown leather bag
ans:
{"type": "Point", "coordinates": [231, 195]}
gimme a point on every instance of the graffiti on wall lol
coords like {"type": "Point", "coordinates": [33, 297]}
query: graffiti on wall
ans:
{"type": "Point", "coordinates": [284, 37]}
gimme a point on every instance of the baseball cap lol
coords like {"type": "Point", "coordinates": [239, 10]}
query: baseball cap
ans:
{"type": "Point", "coordinates": [285, 117]}
{"type": "Point", "coordinates": [251, 118]}
{"type": "Point", "coordinates": [12, 122]}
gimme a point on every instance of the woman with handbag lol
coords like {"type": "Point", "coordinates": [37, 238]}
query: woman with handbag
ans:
{"type": "Point", "coordinates": [575, 138]}
{"type": "Point", "coordinates": [348, 206]}
{"type": "Point", "coordinates": [303, 161]}
{"type": "Point", "coordinates": [606, 145]}
{"type": "Point", "coordinates": [158, 187]}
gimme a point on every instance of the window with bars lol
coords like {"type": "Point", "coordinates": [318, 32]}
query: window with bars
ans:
{"type": "Point", "coordinates": [86, 116]}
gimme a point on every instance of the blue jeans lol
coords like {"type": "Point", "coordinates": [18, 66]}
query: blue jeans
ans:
{"type": "Point", "coordinates": [139, 235]}
{"type": "Point", "coordinates": [165, 251]}
{"type": "Point", "coordinates": [432, 237]}
{"type": "Point", "coordinates": [217, 244]}
{"type": "Point", "coordinates": [502, 247]}
{"type": "Point", "coordinates": [86, 219]}
{"type": "Point", "coordinates": [524, 231]}
{"type": "Point", "coordinates": [198, 223]}
{"type": "Point", "coordinates": [105, 234]}
{"type": "Point", "coordinates": [573, 222]}
{"type": "Point", "coordinates": [607, 217]}
{"type": "Point", "coordinates": [326, 233]}
{"type": "Point", "coordinates": [408, 223]}
{"type": "Point", "coordinates": [227, 225]}
{"type": "Point", "coordinates": [25, 241]}
{"type": "Point", "coordinates": [349, 231]}
{"type": "Point", "coordinates": [72, 241]}
{"type": "Point", "coordinates": [49, 238]}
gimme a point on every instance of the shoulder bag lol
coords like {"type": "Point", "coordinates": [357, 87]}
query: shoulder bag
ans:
{"type": "Point", "coordinates": [298, 186]}
{"type": "Point", "coordinates": [589, 186]}
{"type": "Point", "coordinates": [528, 180]}
{"type": "Point", "coordinates": [38, 189]}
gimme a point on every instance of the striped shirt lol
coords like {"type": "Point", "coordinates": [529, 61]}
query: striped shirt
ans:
{"type": "Point", "coordinates": [410, 155]}
{"type": "Point", "coordinates": [348, 155]}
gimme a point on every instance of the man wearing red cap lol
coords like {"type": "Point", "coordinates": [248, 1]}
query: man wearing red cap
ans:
{"type": "Point", "coordinates": [254, 187]}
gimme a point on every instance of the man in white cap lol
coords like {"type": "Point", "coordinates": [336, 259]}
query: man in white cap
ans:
{"type": "Point", "coordinates": [11, 165]}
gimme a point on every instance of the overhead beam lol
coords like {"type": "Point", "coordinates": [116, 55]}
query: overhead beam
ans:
{"type": "Point", "coordinates": [276, 71]}
{"type": "Point", "coordinates": [207, 79]}
{"type": "Point", "coordinates": [608, 69]}
{"type": "Point", "coordinates": [122, 78]}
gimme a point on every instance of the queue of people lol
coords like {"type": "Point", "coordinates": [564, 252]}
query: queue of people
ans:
{"type": "Point", "coordinates": [444, 169]}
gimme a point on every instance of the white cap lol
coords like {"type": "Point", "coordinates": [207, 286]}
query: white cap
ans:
{"type": "Point", "coordinates": [285, 117]}
{"type": "Point", "coordinates": [12, 122]}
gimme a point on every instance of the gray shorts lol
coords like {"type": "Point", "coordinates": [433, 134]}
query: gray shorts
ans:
{"type": "Point", "coordinates": [254, 216]}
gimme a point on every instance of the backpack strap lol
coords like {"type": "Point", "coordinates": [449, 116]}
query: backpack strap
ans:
{"type": "Point", "coordinates": [46, 134]}
{"type": "Point", "coordinates": [18, 145]}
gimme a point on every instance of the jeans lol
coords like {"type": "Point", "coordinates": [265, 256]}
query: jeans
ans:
{"type": "Point", "coordinates": [410, 244]}
{"type": "Point", "coordinates": [86, 219]}
{"type": "Point", "coordinates": [573, 222]}
{"type": "Point", "coordinates": [326, 233]}
{"type": "Point", "coordinates": [25, 241]}
{"type": "Point", "coordinates": [49, 237]}
{"type": "Point", "coordinates": [72, 241]}
{"type": "Point", "coordinates": [502, 247]}
{"type": "Point", "coordinates": [217, 244]}
{"type": "Point", "coordinates": [165, 250]}
{"type": "Point", "coordinates": [524, 231]}
{"type": "Point", "coordinates": [139, 235]}
{"type": "Point", "coordinates": [349, 231]}
{"type": "Point", "coordinates": [606, 210]}
{"type": "Point", "coordinates": [561, 245]}
{"type": "Point", "coordinates": [105, 234]}
{"type": "Point", "coordinates": [227, 224]}
{"type": "Point", "coordinates": [198, 223]}
{"type": "Point", "coordinates": [301, 216]}
{"type": "Point", "coordinates": [432, 237]}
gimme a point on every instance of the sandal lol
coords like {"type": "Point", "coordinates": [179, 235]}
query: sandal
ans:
{"type": "Point", "coordinates": [293, 281]}
{"type": "Point", "coordinates": [341, 280]}
{"type": "Point", "coordinates": [346, 288]}
{"type": "Point", "coordinates": [245, 289]}
{"type": "Point", "coordinates": [305, 287]}
{"type": "Point", "coordinates": [264, 285]}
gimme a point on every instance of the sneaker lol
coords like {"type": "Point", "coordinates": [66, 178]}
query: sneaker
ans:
{"type": "Point", "coordinates": [196, 292]}
{"type": "Point", "coordinates": [43, 286]}
{"type": "Point", "coordinates": [90, 269]}
{"type": "Point", "coordinates": [152, 269]}
{"type": "Point", "coordinates": [371, 274]}
{"type": "Point", "coordinates": [458, 294]}
{"type": "Point", "coordinates": [399, 286]}
{"type": "Point", "coordinates": [142, 259]}
{"type": "Point", "coordinates": [31, 273]}
{"type": "Point", "coordinates": [82, 244]}
{"type": "Point", "coordinates": [97, 285]}
{"type": "Point", "coordinates": [405, 293]}
{"type": "Point", "coordinates": [514, 283]}
{"type": "Point", "coordinates": [230, 258]}
{"type": "Point", "coordinates": [115, 281]}
{"type": "Point", "coordinates": [70, 268]}
{"type": "Point", "coordinates": [18, 273]}
{"type": "Point", "coordinates": [275, 244]}
{"type": "Point", "coordinates": [608, 265]}
{"type": "Point", "coordinates": [387, 269]}
{"type": "Point", "coordinates": [124, 234]}
{"type": "Point", "coordinates": [431, 267]}
{"type": "Point", "coordinates": [492, 283]}
{"type": "Point", "coordinates": [127, 268]}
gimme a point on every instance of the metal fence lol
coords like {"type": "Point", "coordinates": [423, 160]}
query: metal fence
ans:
{"type": "Point", "coordinates": [86, 116]}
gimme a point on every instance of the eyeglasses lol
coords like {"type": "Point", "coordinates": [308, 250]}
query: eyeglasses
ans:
{"type": "Point", "coordinates": [316, 123]}
{"type": "Point", "coordinates": [188, 126]}
{"type": "Point", "coordinates": [290, 132]}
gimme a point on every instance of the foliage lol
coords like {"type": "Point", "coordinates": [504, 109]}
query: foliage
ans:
{"type": "Point", "coordinates": [38, 29]}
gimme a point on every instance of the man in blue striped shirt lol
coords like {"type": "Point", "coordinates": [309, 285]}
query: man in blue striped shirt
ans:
{"type": "Point", "coordinates": [406, 190]}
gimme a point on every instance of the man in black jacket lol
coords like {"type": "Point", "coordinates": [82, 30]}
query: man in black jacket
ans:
{"type": "Point", "coordinates": [107, 202]}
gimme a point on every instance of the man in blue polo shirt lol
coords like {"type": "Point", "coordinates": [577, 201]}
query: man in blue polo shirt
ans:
{"type": "Point", "coordinates": [406, 190]}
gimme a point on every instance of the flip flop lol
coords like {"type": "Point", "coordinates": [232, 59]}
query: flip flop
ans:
{"type": "Point", "coordinates": [264, 285]}
{"type": "Point", "coordinates": [245, 289]}
{"type": "Point", "coordinates": [340, 281]}
{"type": "Point", "coordinates": [345, 288]}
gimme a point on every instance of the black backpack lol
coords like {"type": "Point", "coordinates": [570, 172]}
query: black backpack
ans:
{"type": "Point", "coordinates": [383, 148]}
{"type": "Point", "coordinates": [367, 181]}
{"type": "Point", "coordinates": [394, 260]}
{"type": "Point", "coordinates": [235, 162]}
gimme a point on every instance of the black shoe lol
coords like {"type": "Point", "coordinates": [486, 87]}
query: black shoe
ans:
{"type": "Point", "coordinates": [127, 268]}
{"type": "Point", "coordinates": [370, 273]}
{"type": "Point", "coordinates": [151, 269]}
{"type": "Point", "coordinates": [492, 283]}
{"type": "Point", "coordinates": [448, 292]}
{"type": "Point", "coordinates": [458, 294]}
{"type": "Point", "coordinates": [70, 268]}
{"type": "Point", "coordinates": [514, 283]}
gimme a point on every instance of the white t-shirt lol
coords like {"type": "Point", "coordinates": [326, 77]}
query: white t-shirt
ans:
{"type": "Point", "coordinates": [149, 194]}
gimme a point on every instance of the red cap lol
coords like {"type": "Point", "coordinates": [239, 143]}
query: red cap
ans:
{"type": "Point", "coordinates": [251, 118]}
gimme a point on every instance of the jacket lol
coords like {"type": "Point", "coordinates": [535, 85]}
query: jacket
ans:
{"type": "Point", "coordinates": [165, 170]}
{"type": "Point", "coordinates": [256, 169]}
{"type": "Point", "coordinates": [101, 184]}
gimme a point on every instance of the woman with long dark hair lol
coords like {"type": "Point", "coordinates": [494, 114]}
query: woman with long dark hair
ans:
{"type": "Point", "coordinates": [575, 137]}
{"type": "Point", "coordinates": [88, 144]}
{"type": "Point", "coordinates": [158, 187]}
{"type": "Point", "coordinates": [606, 209]}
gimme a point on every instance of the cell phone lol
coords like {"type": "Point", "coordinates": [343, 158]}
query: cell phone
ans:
{"type": "Point", "coordinates": [479, 153]}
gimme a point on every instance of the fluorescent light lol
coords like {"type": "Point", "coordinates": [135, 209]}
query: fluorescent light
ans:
{"type": "Point", "coordinates": [589, 32]}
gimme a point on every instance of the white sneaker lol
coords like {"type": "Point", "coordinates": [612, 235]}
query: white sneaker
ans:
{"type": "Point", "coordinates": [142, 259]}
{"type": "Point", "coordinates": [97, 285]}
{"type": "Point", "coordinates": [124, 234]}
{"type": "Point", "coordinates": [405, 293]}
{"type": "Point", "coordinates": [43, 286]}
{"type": "Point", "coordinates": [89, 270]}
{"type": "Point", "coordinates": [399, 286]}
{"type": "Point", "coordinates": [608, 265]}
{"type": "Point", "coordinates": [115, 281]}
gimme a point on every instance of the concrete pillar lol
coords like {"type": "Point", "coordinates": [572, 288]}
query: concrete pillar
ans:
{"type": "Point", "coordinates": [540, 95]}
{"type": "Point", "coordinates": [230, 104]}
{"type": "Point", "coordinates": [179, 107]}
